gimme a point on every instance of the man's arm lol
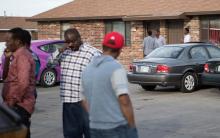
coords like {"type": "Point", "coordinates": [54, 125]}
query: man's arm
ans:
{"type": "Point", "coordinates": [127, 109]}
{"type": "Point", "coordinates": [6, 68]}
{"type": "Point", "coordinates": [119, 84]}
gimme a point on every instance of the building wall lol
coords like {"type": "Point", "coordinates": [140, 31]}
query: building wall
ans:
{"type": "Point", "coordinates": [48, 30]}
{"type": "Point", "coordinates": [34, 35]}
{"type": "Point", "coordinates": [194, 25]}
{"type": "Point", "coordinates": [93, 33]}
{"type": "Point", "coordinates": [2, 36]}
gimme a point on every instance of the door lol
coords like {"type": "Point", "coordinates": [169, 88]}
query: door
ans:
{"type": "Point", "coordinates": [175, 31]}
{"type": "Point", "coordinates": [151, 25]}
{"type": "Point", "coordinates": [199, 57]}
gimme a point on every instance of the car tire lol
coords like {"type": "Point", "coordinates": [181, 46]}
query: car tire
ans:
{"type": "Point", "coordinates": [148, 87]}
{"type": "Point", "coordinates": [48, 78]}
{"type": "Point", "coordinates": [189, 82]}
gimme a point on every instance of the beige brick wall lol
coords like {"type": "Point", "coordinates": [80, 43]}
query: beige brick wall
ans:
{"type": "Point", "coordinates": [48, 30]}
{"type": "Point", "coordinates": [194, 25]}
{"type": "Point", "coordinates": [164, 30]}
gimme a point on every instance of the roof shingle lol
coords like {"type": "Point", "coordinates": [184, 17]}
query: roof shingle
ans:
{"type": "Point", "coordinates": [108, 9]}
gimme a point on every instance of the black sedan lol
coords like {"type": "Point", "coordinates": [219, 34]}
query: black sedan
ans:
{"type": "Point", "coordinates": [211, 75]}
{"type": "Point", "coordinates": [179, 65]}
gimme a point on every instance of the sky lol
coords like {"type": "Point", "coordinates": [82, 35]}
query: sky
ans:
{"type": "Point", "coordinates": [28, 7]}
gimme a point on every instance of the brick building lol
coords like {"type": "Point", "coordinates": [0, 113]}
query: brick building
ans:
{"type": "Point", "coordinates": [133, 18]}
{"type": "Point", "coordinates": [8, 22]}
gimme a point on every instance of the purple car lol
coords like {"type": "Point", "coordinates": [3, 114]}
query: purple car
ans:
{"type": "Point", "coordinates": [44, 53]}
{"type": "Point", "coordinates": [47, 50]}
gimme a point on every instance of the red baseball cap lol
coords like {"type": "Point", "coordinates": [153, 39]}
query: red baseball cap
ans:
{"type": "Point", "coordinates": [113, 40]}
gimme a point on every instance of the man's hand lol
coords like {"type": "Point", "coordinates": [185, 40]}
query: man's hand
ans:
{"type": "Point", "coordinates": [7, 53]}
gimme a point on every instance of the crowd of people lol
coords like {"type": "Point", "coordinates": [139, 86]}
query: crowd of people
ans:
{"type": "Point", "coordinates": [93, 85]}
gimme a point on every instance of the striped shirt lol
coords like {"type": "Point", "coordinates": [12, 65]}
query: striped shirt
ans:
{"type": "Point", "coordinates": [72, 65]}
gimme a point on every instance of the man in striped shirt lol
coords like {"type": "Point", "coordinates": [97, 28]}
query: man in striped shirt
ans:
{"type": "Point", "coordinates": [74, 59]}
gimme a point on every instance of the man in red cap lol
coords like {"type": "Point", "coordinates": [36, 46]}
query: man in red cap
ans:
{"type": "Point", "coordinates": [104, 85]}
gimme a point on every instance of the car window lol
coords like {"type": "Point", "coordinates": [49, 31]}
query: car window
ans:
{"type": "Point", "coordinates": [58, 45]}
{"type": "Point", "coordinates": [51, 48]}
{"type": "Point", "coordinates": [214, 51]}
{"type": "Point", "coordinates": [166, 52]}
{"type": "Point", "coordinates": [45, 48]}
{"type": "Point", "coordinates": [199, 53]}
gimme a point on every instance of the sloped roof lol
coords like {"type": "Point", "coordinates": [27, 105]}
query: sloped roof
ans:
{"type": "Point", "coordinates": [7, 22]}
{"type": "Point", "coordinates": [129, 9]}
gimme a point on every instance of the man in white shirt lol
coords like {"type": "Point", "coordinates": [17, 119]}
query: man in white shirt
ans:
{"type": "Point", "coordinates": [187, 37]}
{"type": "Point", "coordinates": [160, 39]}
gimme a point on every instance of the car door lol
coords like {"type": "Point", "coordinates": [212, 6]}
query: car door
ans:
{"type": "Point", "coordinates": [199, 56]}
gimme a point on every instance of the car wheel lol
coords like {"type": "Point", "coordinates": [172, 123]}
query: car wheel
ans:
{"type": "Point", "coordinates": [189, 82]}
{"type": "Point", "coordinates": [48, 78]}
{"type": "Point", "coordinates": [148, 87]}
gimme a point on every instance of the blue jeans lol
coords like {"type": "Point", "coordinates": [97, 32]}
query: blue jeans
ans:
{"type": "Point", "coordinates": [123, 131]}
{"type": "Point", "coordinates": [75, 121]}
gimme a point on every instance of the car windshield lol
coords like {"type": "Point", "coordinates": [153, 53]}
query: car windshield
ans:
{"type": "Point", "coordinates": [166, 52]}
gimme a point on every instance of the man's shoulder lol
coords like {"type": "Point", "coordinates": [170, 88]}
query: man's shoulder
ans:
{"type": "Point", "coordinates": [91, 49]}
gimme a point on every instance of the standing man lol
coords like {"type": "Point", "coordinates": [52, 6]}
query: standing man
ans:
{"type": "Point", "coordinates": [104, 85]}
{"type": "Point", "coordinates": [187, 37]}
{"type": "Point", "coordinates": [149, 43]}
{"type": "Point", "coordinates": [74, 59]}
{"type": "Point", "coordinates": [19, 81]}
{"type": "Point", "coordinates": [160, 39]}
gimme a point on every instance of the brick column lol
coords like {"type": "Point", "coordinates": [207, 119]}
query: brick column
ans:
{"type": "Point", "coordinates": [194, 26]}
{"type": "Point", "coordinates": [164, 29]}
{"type": "Point", "coordinates": [135, 51]}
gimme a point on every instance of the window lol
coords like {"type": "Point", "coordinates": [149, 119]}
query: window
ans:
{"type": "Point", "coordinates": [214, 51]}
{"type": "Point", "coordinates": [51, 48]}
{"type": "Point", "coordinates": [204, 30]}
{"type": "Point", "coordinates": [64, 27]}
{"type": "Point", "coordinates": [122, 27]}
{"type": "Point", "coordinates": [199, 53]}
{"type": "Point", "coordinates": [166, 52]}
{"type": "Point", "coordinates": [210, 29]}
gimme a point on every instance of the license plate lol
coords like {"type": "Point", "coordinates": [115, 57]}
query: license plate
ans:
{"type": "Point", "coordinates": [145, 69]}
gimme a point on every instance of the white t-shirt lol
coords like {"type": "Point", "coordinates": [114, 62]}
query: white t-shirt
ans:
{"type": "Point", "coordinates": [187, 38]}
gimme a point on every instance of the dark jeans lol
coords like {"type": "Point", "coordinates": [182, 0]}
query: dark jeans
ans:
{"type": "Point", "coordinates": [25, 118]}
{"type": "Point", "coordinates": [123, 131]}
{"type": "Point", "coordinates": [75, 121]}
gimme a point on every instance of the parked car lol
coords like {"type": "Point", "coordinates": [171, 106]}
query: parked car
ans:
{"type": "Point", "coordinates": [2, 48]}
{"type": "Point", "coordinates": [49, 73]}
{"type": "Point", "coordinates": [45, 51]}
{"type": "Point", "coordinates": [10, 124]}
{"type": "Point", "coordinates": [179, 65]}
{"type": "Point", "coordinates": [211, 75]}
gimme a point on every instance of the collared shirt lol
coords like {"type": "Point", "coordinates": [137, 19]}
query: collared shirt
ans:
{"type": "Point", "coordinates": [187, 38]}
{"type": "Point", "coordinates": [149, 45]}
{"type": "Point", "coordinates": [72, 65]}
{"type": "Point", "coordinates": [19, 85]}
{"type": "Point", "coordinates": [161, 41]}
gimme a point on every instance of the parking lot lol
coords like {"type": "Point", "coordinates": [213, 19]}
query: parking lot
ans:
{"type": "Point", "coordinates": [163, 113]}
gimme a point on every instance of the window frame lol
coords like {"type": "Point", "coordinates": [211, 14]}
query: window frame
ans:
{"type": "Point", "coordinates": [127, 37]}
